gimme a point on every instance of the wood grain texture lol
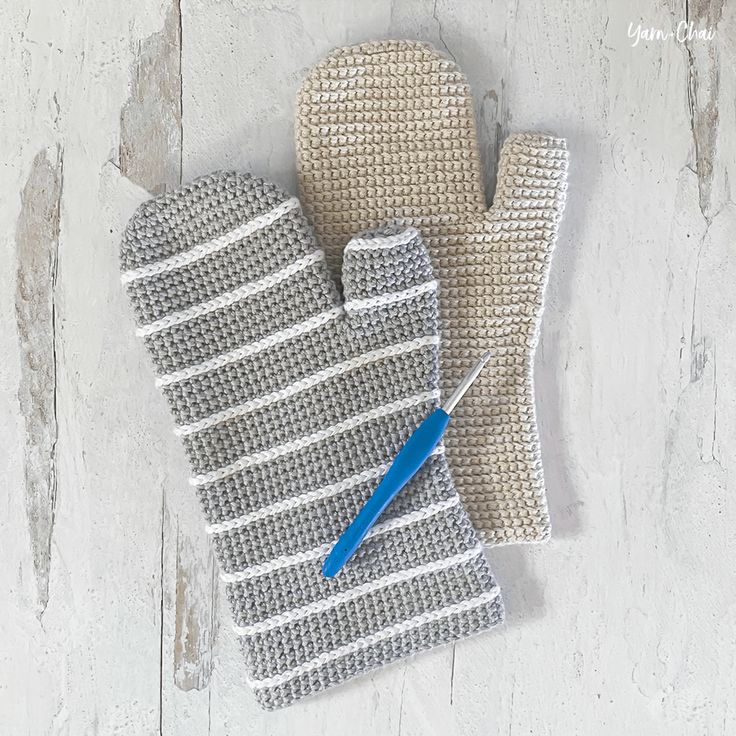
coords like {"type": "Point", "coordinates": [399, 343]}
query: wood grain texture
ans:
{"type": "Point", "coordinates": [113, 621]}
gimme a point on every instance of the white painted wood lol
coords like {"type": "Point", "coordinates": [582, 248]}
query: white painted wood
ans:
{"type": "Point", "coordinates": [113, 621]}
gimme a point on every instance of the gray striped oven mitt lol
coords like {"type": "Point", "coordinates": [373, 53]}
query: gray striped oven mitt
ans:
{"type": "Point", "coordinates": [290, 402]}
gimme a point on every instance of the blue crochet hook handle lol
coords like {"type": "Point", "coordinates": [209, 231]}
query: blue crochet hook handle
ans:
{"type": "Point", "coordinates": [409, 460]}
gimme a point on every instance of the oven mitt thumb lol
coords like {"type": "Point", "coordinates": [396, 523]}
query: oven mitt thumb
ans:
{"type": "Point", "coordinates": [291, 402]}
{"type": "Point", "coordinates": [386, 132]}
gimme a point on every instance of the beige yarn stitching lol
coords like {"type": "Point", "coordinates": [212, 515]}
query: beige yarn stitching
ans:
{"type": "Point", "coordinates": [385, 132]}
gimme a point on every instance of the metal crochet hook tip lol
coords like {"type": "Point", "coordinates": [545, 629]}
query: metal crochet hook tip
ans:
{"type": "Point", "coordinates": [405, 465]}
{"type": "Point", "coordinates": [466, 383]}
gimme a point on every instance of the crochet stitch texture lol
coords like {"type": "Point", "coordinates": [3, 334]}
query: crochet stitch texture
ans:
{"type": "Point", "coordinates": [386, 132]}
{"type": "Point", "coordinates": [291, 401]}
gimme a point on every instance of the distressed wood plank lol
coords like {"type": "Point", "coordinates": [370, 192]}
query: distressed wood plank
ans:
{"type": "Point", "coordinates": [91, 663]}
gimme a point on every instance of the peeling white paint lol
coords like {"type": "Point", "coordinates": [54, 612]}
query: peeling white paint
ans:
{"type": "Point", "coordinates": [625, 622]}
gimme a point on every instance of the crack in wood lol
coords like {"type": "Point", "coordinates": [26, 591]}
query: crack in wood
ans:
{"type": "Point", "coordinates": [162, 591]}
{"type": "Point", "coordinates": [440, 36]}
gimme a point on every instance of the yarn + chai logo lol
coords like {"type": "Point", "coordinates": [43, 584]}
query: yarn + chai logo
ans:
{"type": "Point", "coordinates": [684, 32]}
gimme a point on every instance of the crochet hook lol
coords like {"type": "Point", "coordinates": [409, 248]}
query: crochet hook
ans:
{"type": "Point", "coordinates": [406, 464]}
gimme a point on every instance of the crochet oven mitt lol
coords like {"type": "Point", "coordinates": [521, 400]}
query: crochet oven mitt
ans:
{"type": "Point", "coordinates": [385, 132]}
{"type": "Point", "coordinates": [290, 403]}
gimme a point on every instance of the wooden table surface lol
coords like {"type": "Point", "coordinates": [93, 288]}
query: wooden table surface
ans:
{"type": "Point", "coordinates": [112, 618]}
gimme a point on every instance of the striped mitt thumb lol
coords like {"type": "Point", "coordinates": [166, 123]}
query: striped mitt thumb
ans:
{"type": "Point", "coordinates": [291, 400]}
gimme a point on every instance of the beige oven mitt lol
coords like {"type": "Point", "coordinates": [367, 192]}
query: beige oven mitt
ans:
{"type": "Point", "coordinates": [385, 132]}
{"type": "Point", "coordinates": [291, 401]}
